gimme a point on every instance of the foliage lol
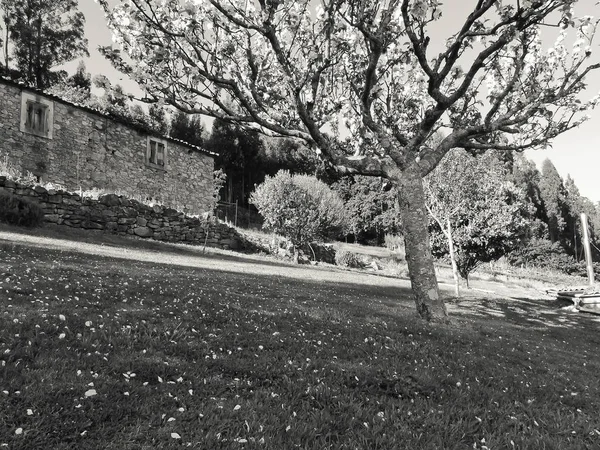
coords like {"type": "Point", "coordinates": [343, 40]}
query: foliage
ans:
{"type": "Point", "coordinates": [158, 119]}
{"type": "Point", "coordinates": [219, 179]}
{"type": "Point", "coordinates": [332, 221]}
{"type": "Point", "coordinates": [187, 127]}
{"type": "Point", "coordinates": [543, 253]}
{"type": "Point", "coordinates": [291, 70]}
{"type": "Point", "coordinates": [15, 210]}
{"type": "Point", "coordinates": [371, 206]}
{"type": "Point", "coordinates": [488, 214]}
{"type": "Point", "coordinates": [346, 258]}
{"type": "Point", "coordinates": [237, 152]}
{"type": "Point", "coordinates": [288, 154]}
{"type": "Point", "coordinates": [44, 35]}
{"type": "Point", "coordinates": [298, 207]}
{"type": "Point", "coordinates": [393, 241]}
{"type": "Point", "coordinates": [12, 172]}
{"type": "Point", "coordinates": [553, 196]}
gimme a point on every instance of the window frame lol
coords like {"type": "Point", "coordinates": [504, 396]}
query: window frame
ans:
{"type": "Point", "coordinates": [31, 102]}
{"type": "Point", "coordinates": [151, 157]}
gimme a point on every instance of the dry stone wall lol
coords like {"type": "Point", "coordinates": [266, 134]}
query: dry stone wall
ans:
{"type": "Point", "coordinates": [89, 150]}
{"type": "Point", "coordinates": [124, 216]}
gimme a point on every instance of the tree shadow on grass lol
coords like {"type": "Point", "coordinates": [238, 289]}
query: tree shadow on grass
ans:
{"type": "Point", "coordinates": [526, 313]}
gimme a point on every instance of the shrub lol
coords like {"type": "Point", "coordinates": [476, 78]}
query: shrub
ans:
{"type": "Point", "coordinates": [19, 211]}
{"type": "Point", "coordinates": [393, 241]}
{"type": "Point", "coordinates": [300, 208]}
{"type": "Point", "coordinates": [344, 258]}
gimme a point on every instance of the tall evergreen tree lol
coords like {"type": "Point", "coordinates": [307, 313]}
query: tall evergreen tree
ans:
{"type": "Point", "coordinates": [553, 195]}
{"type": "Point", "coordinates": [81, 79]}
{"type": "Point", "coordinates": [238, 152]}
{"type": "Point", "coordinates": [187, 127]}
{"type": "Point", "coordinates": [44, 34]}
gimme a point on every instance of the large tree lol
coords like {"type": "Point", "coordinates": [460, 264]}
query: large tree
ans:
{"type": "Point", "coordinates": [364, 84]}
{"type": "Point", "coordinates": [553, 194]}
{"type": "Point", "coordinates": [44, 34]}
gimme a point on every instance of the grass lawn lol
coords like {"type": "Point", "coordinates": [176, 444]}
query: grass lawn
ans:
{"type": "Point", "coordinates": [137, 346]}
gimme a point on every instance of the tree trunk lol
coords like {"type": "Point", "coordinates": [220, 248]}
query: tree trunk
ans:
{"type": "Point", "coordinates": [453, 259]}
{"type": "Point", "coordinates": [418, 250]}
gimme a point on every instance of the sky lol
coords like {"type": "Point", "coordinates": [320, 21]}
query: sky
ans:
{"type": "Point", "coordinates": [574, 153]}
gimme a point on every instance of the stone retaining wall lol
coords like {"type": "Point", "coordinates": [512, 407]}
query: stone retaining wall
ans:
{"type": "Point", "coordinates": [124, 216]}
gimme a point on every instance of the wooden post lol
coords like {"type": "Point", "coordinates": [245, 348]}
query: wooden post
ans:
{"type": "Point", "coordinates": [236, 207]}
{"type": "Point", "coordinates": [586, 247]}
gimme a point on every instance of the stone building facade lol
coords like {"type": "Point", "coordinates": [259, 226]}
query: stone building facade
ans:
{"type": "Point", "coordinates": [79, 148]}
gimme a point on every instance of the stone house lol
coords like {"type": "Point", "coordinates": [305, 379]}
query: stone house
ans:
{"type": "Point", "coordinates": [80, 148]}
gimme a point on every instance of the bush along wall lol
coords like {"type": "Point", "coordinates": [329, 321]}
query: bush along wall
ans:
{"type": "Point", "coordinates": [120, 215]}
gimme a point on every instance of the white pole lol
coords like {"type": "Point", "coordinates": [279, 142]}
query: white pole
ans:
{"type": "Point", "coordinates": [586, 247]}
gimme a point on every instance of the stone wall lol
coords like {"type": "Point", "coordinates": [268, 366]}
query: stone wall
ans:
{"type": "Point", "coordinates": [89, 150]}
{"type": "Point", "coordinates": [120, 215]}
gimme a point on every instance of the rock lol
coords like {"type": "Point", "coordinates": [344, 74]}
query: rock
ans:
{"type": "Point", "coordinates": [40, 189]}
{"type": "Point", "coordinates": [143, 231]}
{"type": "Point", "coordinates": [88, 224]}
{"type": "Point", "coordinates": [109, 200]}
{"type": "Point", "coordinates": [141, 222]}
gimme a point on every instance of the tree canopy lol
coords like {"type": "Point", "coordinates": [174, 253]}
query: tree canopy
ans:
{"type": "Point", "coordinates": [362, 82]}
{"type": "Point", "coordinates": [488, 215]}
{"type": "Point", "coordinates": [44, 34]}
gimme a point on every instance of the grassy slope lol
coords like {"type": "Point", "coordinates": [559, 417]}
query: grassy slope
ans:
{"type": "Point", "coordinates": [249, 353]}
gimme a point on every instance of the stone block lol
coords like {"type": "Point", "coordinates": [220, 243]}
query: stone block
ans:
{"type": "Point", "coordinates": [109, 200]}
{"type": "Point", "coordinates": [141, 222]}
{"type": "Point", "coordinates": [129, 212]}
{"type": "Point", "coordinates": [111, 226]}
{"type": "Point", "coordinates": [126, 221]}
{"type": "Point", "coordinates": [55, 199]}
{"type": "Point", "coordinates": [52, 218]}
{"type": "Point", "coordinates": [143, 231]}
{"type": "Point", "coordinates": [90, 225]}
{"type": "Point", "coordinates": [108, 213]}
{"type": "Point", "coordinates": [40, 190]}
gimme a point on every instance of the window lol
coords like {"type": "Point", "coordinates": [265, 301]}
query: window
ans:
{"type": "Point", "coordinates": [36, 115]}
{"type": "Point", "coordinates": [156, 154]}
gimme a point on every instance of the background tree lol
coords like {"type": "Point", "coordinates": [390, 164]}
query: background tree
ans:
{"type": "Point", "coordinates": [237, 152]}
{"type": "Point", "coordinates": [288, 154]}
{"type": "Point", "coordinates": [77, 88]}
{"type": "Point", "coordinates": [525, 175]}
{"type": "Point", "coordinates": [368, 67]}
{"type": "Point", "coordinates": [479, 215]}
{"type": "Point", "coordinates": [553, 195]}
{"type": "Point", "coordinates": [371, 205]}
{"type": "Point", "coordinates": [44, 35]}
{"type": "Point", "coordinates": [187, 127]}
{"type": "Point", "coordinates": [157, 116]}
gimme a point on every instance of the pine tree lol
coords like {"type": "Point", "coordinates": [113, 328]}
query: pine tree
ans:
{"type": "Point", "coordinates": [187, 127]}
{"type": "Point", "coordinates": [44, 34]}
{"type": "Point", "coordinates": [552, 192]}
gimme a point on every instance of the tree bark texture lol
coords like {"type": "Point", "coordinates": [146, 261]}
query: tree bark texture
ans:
{"type": "Point", "coordinates": [418, 250]}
